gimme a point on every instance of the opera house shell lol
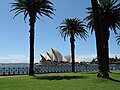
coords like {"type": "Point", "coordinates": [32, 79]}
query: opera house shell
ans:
{"type": "Point", "coordinates": [54, 56]}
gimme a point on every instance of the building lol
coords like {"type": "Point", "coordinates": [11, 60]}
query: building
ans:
{"type": "Point", "coordinates": [54, 57]}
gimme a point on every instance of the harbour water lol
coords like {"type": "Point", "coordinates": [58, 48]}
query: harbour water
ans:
{"type": "Point", "coordinates": [14, 64]}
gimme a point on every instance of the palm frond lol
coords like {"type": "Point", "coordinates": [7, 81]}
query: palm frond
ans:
{"type": "Point", "coordinates": [109, 14]}
{"type": "Point", "coordinates": [35, 7]}
{"type": "Point", "coordinates": [118, 39]}
{"type": "Point", "coordinates": [75, 26]}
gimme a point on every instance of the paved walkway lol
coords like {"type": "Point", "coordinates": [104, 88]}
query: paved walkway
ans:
{"type": "Point", "coordinates": [13, 76]}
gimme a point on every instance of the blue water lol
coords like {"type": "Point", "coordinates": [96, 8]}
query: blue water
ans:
{"type": "Point", "coordinates": [14, 65]}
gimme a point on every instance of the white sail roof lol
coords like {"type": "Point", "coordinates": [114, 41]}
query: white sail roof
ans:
{"type": "Point", "coordinates": [55, 55]}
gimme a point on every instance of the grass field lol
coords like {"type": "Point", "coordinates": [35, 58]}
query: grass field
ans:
{"type": "Point", "coordinates": [61, 81]}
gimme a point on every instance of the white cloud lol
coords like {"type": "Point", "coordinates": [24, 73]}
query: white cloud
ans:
{"type": "Point", "coordinates": [24, 59]}
{"type": "Point", "coordinates": [13, 59]}
{"type": "Point", "coordinates": [89, 57]}
{"type": "Point", "coordinates": [113, 55]}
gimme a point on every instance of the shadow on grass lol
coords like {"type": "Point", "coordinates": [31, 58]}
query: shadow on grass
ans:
{"type": "Point", "coordinates": [114, 79]}
{"type": "Point", "coordinates": [115, 73]}
{"type": "Point", "coordinates": [92, 72]}
{"type": "Point", "coordinates": [58, 77]}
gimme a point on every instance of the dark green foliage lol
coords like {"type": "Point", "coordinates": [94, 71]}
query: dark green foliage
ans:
{"type": "Point", "coordinates": [118, 39]}
{"type": "Point", "coordinates": [36, 7]}
{"type": "Point", "coordinates": [33, 9]}
{"type": "Point", "coordinates": [109, 14]}
{"type": "Point", "coordinates": [99, 41]}
{"type": "Point", "coordinates": [109, 18]}
{"type": "Point", "coordinates": [73, 28]}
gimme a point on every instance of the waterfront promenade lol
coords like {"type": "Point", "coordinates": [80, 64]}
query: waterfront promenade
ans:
{"type": "Point", "coordinates": [24, 70]}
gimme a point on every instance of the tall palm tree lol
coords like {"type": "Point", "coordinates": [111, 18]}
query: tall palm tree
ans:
{"type": "Point", "coordinates": [109, 15]}
{"type": "Point", "coordinates": [99, 40]}
{"type": "Point", "coordinates": [118, 39]}
{"type": "Point", "coordinates": [73, 28]}
{"type": "Point", "coordinates": [33, 9]}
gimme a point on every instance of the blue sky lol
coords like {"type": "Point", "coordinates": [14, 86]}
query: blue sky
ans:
{"type": "Point", "coordinates": [14, 33]}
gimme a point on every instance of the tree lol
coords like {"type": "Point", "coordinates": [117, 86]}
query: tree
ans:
{"type": "Point", "coordinates": [33, 9]}
{"type": "Point", "coordinates": [109, 16]}
{"type": "Point", "coordinates": [99, 40]}
{"type": "Point", "coordinates": [73, 28]}
{"type": "Point", "coordinates": [118, 39]}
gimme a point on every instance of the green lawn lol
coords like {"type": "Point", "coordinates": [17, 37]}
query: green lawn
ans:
{"type": "Point", "coordinates": [61, 81]}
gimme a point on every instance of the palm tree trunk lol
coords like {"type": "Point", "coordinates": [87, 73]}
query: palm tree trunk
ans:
{"type": "Point", "coordinates": [107, 55]}
{"type": "Point", "coordinates": [32, 22]}
{"type": "Point", "coordinates": [72, 51]}
{"type": "Point", "coordinates": [99, 41]}
{"type": "Point", "coordinates": [106, 47]}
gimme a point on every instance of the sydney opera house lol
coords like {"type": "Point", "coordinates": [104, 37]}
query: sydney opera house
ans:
{"type": "Point", "coordinates": [54, 57]}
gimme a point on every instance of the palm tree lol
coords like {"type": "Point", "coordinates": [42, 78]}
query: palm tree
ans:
{"type": "Point", "coordinates": [73, 28]}
{"type": "Point", "coordinates": [118, 39]}
{"type": "Point", "coordinates": [99, 39]}
{"type": "Point", "coordinates": [109, 16]}
{"type": "Point", "coordinates": [33, 9]}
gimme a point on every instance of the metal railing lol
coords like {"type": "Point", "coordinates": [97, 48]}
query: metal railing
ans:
{"type": "Point", "coordinates": [49, 69]}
